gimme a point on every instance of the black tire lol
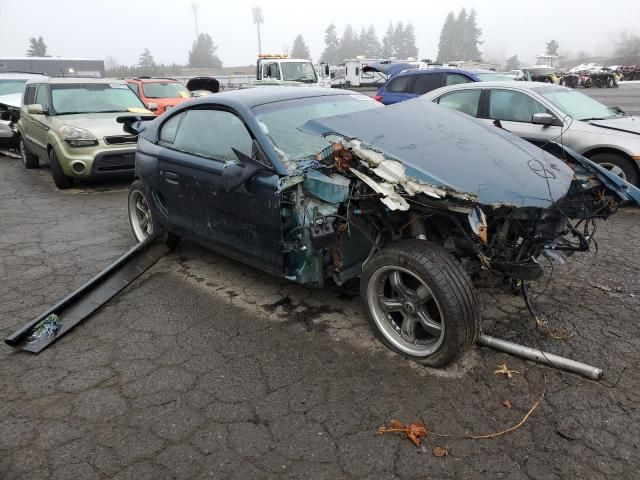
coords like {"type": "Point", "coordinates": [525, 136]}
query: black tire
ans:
{"type": "Point", "coordinates": [29, 160]}
{"type": "Point", "coordinates": [137, 192]}
{"type": "Point", "coordinates": [623, 163]}
{"type": "Point", "coordinates": [59, 178]}
{"type": "Point", "coordinates": [449, 287]}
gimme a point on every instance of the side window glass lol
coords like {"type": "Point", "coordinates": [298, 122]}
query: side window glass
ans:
{"type": "Point", "coordinates": [169, 130]}
{"type": "Point", "coordinates": [513, 106]}
{"type": "Point", "coordinates": [427, 82]}
{"type": "Point", "coordinates": [42, 97]}
{"type": "Point", "coordinates": [30, 95]}
{"type": "Point", "coordinates": [400, 84]}
{"type": "Point", "coordinates": [212, 134]}
{"type": "Point", "coordinates": [465, 101]}
{"type": "Point", "coordinates": [456, 78]}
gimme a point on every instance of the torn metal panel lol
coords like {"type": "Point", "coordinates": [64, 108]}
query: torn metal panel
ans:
{"type": "Point", "coordinates": [389, 196]}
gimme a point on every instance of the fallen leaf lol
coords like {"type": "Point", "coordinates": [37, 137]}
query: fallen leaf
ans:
{"type": "Point", "coordinates": [502, 369]}
{"type": "Point", "coordinates": [601, 287]}
{"type": "Point", "coordinates": [440, 452]}
{"type": "Point", "coordinates": [507, 403]}
{"type": "Point", "coordinates": [413, 431]}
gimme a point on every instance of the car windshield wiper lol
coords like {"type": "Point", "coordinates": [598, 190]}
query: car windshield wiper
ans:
{"type": "Point", "coordinates": [70, 113]}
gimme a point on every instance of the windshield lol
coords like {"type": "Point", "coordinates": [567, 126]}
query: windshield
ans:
{"type": "Point", "coordinates": [298, 72]}
{"type": "Point", "coordinates": [7, 87]}
{"type": "Point", "coordinates": [165, 90]}
{"type": "Point", "coordinates": [282, 122]}
{"type": "Point", "coordinates": [93, 98]}
{"type": "Point", "coordinates": [493, 77]}
{"type": "Point", "coordinates": [578, 105]}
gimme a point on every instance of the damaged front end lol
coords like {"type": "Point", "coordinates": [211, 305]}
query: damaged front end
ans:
{"type": "Point", "coordinates": [496, 202]}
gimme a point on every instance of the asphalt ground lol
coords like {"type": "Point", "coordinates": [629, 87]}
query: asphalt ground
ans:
{"type": "Point", "coordinates": [206, 368]}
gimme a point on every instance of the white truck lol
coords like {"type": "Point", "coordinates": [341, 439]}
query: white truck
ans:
{"type": "Point", "coordinates": [279, 68]}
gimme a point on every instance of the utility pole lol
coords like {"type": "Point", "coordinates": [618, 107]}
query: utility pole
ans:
{"type": "Point", "coordinates": [194, 8]}
{"type": "Point", "coordinates": [258, 20]}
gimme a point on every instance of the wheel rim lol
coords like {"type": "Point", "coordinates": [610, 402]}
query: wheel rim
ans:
{"type": "Point", "coordinates": [405, 311]}
{"type": "Point", "coordinates": [615, 169]}
{"type": "Point", "coordinates": [140, 215]}
{"type": "Point", "coordinates": [23, 152]}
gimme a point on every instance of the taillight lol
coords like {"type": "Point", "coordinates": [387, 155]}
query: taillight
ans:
{"type": "Point", "coordinates": [377, 98]}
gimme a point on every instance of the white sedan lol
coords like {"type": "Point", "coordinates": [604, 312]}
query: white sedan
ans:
{"type": "Point", "coordinates": [542, 112]}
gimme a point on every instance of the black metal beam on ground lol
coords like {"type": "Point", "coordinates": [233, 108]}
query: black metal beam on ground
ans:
{"type": "Point", "coordinates": [77, 306]}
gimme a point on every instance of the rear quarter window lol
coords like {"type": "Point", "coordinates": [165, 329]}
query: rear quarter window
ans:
{"type": "Point", "coordinates": [400, 84]}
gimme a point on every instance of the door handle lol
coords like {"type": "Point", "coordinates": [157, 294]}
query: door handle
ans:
{"type": "Point", "coordinates": [171, 177]}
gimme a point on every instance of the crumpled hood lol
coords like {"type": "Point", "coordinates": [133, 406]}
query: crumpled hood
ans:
{"type": "Point", "coordinates": [11, 100]}
{"type": "Point", "coordinates": [447, 148]}
{"type": "Point", "coordinates": [622, 124]}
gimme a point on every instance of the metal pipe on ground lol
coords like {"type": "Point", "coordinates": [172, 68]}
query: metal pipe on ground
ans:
{"type": "Point", "coordinates": [539, 356]}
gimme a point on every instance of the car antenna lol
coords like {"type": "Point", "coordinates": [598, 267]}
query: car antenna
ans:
{"type": "Point", "coordinates": [62, 72]}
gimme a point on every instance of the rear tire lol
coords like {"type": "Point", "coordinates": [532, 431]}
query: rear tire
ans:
{"type": "Point", "coordinates": [421, 302]}
{"type": "Point", "coordinates": [29, 160]}
{"type": "Point", "coordinates": [59, 178]}
{"type": "Point", "coordinates": [144, 219]}
{"type": "Point", "coordinates": [619, 165]}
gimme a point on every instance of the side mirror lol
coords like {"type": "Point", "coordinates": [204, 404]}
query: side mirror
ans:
{"type": "Point", "coordinates": [152, 106]}
{"type": "Point", "coordinates": [35, 109]}
{"type": "Point", "coordinates": [237, 174]}
{"type": "Point", "coordinates": [545, 119]}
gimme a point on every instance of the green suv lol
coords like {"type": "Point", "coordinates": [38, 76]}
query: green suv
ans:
{"type": "Point", "coordinates": [72, 123]}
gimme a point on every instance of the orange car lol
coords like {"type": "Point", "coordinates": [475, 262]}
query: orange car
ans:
{"type": "Point", "coordinates": [163, 92]}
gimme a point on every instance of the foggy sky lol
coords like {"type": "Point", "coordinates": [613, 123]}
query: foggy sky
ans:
{"type": "Point", "coordinates": [123, 29]}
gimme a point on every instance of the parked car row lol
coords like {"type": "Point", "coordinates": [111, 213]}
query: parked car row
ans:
{"type": "Point", "coordinates": [315, 185]}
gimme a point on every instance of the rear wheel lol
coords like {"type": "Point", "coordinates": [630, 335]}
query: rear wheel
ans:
{"type": "Point", "coordinates": [59, 178]}
{"type": "Point", "coordinates": [142, 217]}
{"type": "Point", "coordinates": [29, 160]}
{"type": "Point", "coordinates": [420, 302]}
{"type": "Point", "coordinates": [620, 165]}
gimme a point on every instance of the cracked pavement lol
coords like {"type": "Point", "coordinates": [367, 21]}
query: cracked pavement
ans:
{"type": "Point", "coordinates": [206, 368]}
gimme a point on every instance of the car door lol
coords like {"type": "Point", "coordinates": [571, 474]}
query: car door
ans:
{"type": "Point", "coordinates": [466, 101]}
{"type": "Point", "coordinates": [515, 110]}
{"type": "Point", "coordinates": [398, 90]}
{"type": "Point", "coordinates": [245, 223]}
{"type": "Point", "coordinates": [426, 82]}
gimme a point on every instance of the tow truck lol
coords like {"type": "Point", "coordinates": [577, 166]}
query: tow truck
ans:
{"type": "Point", "coordinates": [280, 69]}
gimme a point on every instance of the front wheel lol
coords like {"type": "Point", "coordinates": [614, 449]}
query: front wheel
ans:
{"type": "Point", "coordinates": [619, 165]}
{"type": "Point", "coordinates": [421, 302]}
{"type": "Point", "coordinates": [59, 178]}
{"type": "Point", "coordinates": [142, 217]}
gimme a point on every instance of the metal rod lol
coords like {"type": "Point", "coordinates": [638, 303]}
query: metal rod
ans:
{"type": "Point", "coordinates": [539, 356]}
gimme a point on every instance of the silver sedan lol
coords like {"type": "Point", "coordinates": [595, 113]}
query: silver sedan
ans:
{"type": "Point", "coordinates": [542, 112]}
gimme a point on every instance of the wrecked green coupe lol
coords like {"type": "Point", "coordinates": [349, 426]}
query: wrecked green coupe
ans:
{"type": "Point", "coordinates": [416, 200]}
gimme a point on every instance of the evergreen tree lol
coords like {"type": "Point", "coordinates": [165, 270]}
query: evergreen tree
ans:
{"type": "Point", "coordinates": [203, 53]}
{"type": "Point", "coordinates": [146, 61]}
{"type": "Point", "coordinates": [398, 40]}
{"type": "Point", "coordinates": [409, 48]}
{"type": "Point", "coordinates": [300, 48]}
{"type": "Point", "coordinates": [552, 47]}
{"type": "Point", "coordinates": [446, 46]}
{"type": "Point", "coordinates": [387, 43]}
{"type": "Point", "coordinates": [37, 47]}
{"type": "Point", "coordinates": [369, 43]}
{"type": "Point", "coordinates": [460, 27]}
{"type": "Point", "coordinates": [349, 43]}
{"type": "Point", "coordinates": [471, 38]}
{"type": "Point", "coordinates": [513, 63]}
{"type": "Point", "coordinates": [331, 53]}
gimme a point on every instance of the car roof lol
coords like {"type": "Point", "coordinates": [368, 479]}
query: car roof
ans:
{"type": "Point", "coordinates": [72, 80]}
{"type": "Point", "coordinates": [20, 75]}
{"type": "Point", "coordinates": [259, 95]}
{"type": "Point", "coordinates": [510, 84]}
{"type": "Point", "coordinates": [151, 79]}
{"type": "Point", "coordinates": [426, 71]}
